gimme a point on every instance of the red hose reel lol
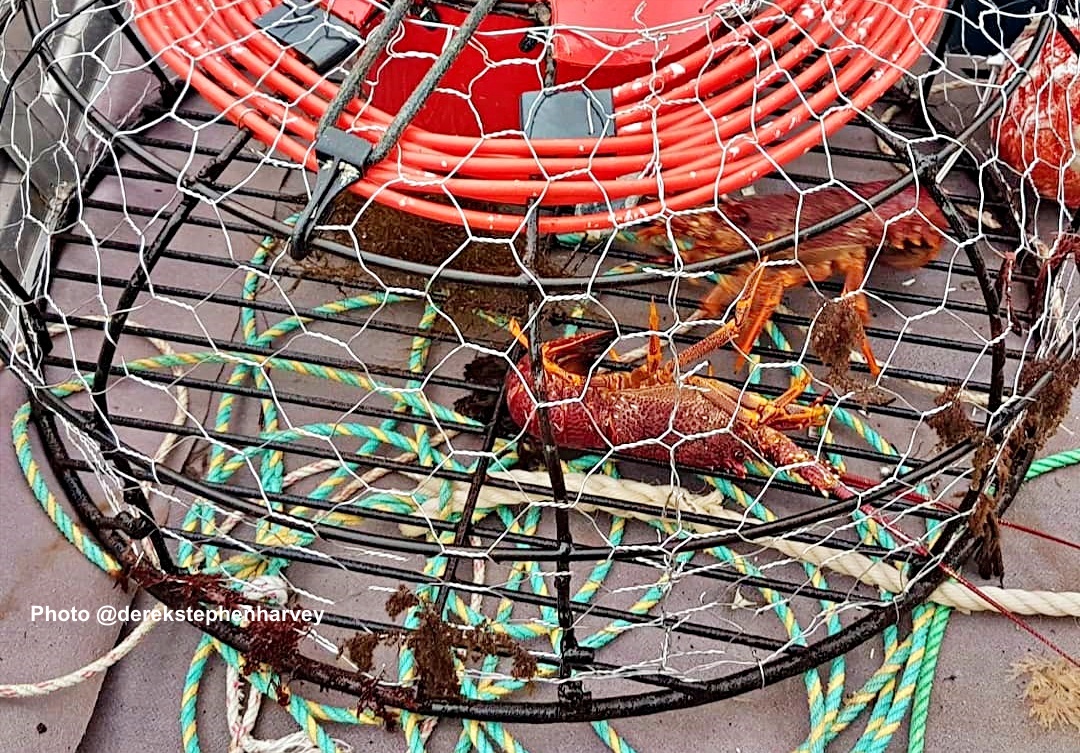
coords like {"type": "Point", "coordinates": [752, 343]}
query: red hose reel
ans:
{"type": "Point", "coordinates": [701, 105]}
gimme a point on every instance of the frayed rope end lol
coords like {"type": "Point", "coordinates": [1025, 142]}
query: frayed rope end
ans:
{"type": "Point", "coordinates": [1052, 691]}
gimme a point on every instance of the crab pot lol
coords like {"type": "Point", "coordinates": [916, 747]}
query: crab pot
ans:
{"type": "Point", "coordinates": [339, 426]}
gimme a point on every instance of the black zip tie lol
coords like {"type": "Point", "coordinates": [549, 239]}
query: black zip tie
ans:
{"type": "Point", "coordinates": [346, 157]}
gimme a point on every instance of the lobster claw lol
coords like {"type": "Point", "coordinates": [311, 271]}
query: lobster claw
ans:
{"type": "Point", "coordinates": [575, 354]}
{"type": "Point", "coordinates": [578, 354]}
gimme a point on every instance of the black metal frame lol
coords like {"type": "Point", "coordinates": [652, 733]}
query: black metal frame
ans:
{"type": "Point", "coordinates": [572, 705]}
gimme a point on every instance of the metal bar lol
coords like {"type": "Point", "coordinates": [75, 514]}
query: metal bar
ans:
{"type": "Point", "coordinates": [796, 320]}
{"type": "Point", "coordinates": [616, 251]}
{"type": "Point", "coordinates": [132, 174]}
{"type": "Point", "coordinates": [480, 477]}
{"type": "Point", "coordinates": [338, 408]}
{"type": "Point", "coordinates": [310, 359]}
{"type": "Point", "coordinates": [716, 572]}
{"type": "Point", "coordinates": [359, 624]}
{"type": "Point", "coordinates": [238, 301]}
{"type": "Point", "coordinates": [662, 622]}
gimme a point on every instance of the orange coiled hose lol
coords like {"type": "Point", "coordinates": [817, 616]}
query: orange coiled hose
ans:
{"type": "Point", "coordinates": [725, 114]}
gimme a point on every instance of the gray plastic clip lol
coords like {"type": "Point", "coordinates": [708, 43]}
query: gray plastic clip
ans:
{"type": "Point", "coordinates": [581, 113]}
{"type": "Point", "coordinates": [310, 31]}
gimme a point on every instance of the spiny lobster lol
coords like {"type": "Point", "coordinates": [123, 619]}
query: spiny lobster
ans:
{"type": "Point", "coordinates": [655, 413]}
{"type": "Point", "coordinates": [906, 228]}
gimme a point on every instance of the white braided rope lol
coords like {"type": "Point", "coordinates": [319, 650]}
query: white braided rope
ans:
{"type": "Point", "coordinates": [672, 499]}
{"type": "Point", "coordinates": [238, 694]}
{"type": "Point", "coordinates": [45, 687]}
{"type": "Point", "coordinates": [118, 652]}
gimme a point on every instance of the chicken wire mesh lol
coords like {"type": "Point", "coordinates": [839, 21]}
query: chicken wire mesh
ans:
{"type": "Point", "coordinates": [403, 312]}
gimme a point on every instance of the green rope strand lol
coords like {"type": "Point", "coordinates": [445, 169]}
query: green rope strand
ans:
{"type": "Point", "coordinates": [924, 685]}
{"type": "Point", "coordinates": [189, 720]}
{"type": "Point", "coordinates": [24, 453]}
{"type": "Point", "coordinates": [1053, 463]}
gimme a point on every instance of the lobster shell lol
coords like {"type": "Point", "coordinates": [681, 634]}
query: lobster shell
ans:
{"type": "Point", "coordinates": [1039, 133]}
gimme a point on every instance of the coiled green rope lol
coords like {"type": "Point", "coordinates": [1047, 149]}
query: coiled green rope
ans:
{"type": "Point", "coordinates": [1052, 463]}
{"type": "Point", "coordinates": [903, 682]}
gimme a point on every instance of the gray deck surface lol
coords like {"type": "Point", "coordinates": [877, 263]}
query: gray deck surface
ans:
{"type": "Point", "coordinates": [976, 706]}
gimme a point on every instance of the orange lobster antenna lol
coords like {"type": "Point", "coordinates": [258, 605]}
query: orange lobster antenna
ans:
{"type": "Point", "coordinates": [654, 358]}
{"type": "Point", "coordinates": [515, 330]}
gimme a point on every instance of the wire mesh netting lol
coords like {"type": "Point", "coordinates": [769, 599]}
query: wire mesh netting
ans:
{"type": "Point", "coordinates": [576, 367]}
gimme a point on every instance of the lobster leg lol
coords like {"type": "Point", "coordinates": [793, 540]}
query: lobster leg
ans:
{"type": "Point", "coordinates": [729, 330]}
{"type": "Point", "coordinates": [763, 434]}
{"type": "Point", "coordinates": [871, 360]}
{"type": "Point", "coordinates": [782, 413]}
{"type": "Point", "coordinates": [782, 452]}
{"type": "Point", "coordinates": [854, 274]}
{"type": "Point", "coordinates": [654, 359]}
{"type": "Point", "coordinates": [764, 307]}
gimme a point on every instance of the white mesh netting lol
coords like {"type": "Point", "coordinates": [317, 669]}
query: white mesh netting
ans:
{"type": "Point", "coordinates": [760, 453]}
